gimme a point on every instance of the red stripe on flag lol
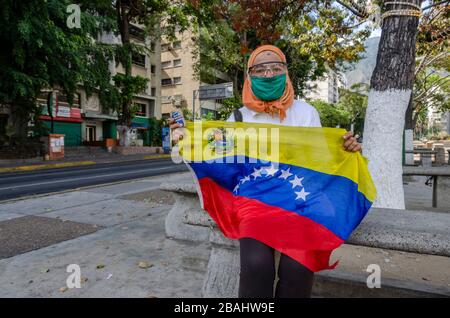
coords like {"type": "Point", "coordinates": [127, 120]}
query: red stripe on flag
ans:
{"type": "Point", "coordinates": [302, 239]}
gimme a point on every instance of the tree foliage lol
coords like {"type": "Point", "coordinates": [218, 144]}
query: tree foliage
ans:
{"type": "Point", "coordinates": [353, 102]}
{"type": "Point", "coordinates": [330, 115]}
{"type": "Point", "coordinates": [312, 35]}
{"type": "Point", "coordinates": [40, 51]}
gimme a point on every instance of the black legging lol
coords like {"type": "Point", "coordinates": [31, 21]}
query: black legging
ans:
{"type": "Point", "coordinates": [258, 273]}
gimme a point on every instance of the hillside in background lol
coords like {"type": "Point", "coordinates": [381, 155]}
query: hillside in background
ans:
{"type": "Point", "coordinates": [362, 71]}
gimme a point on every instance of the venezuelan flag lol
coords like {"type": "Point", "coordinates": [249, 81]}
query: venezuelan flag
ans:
{"type": "Point", "coordinates": [293, 188]}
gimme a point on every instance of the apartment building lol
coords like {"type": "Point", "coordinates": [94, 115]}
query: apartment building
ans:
{"type": "Point", "coordinates": [327, 88]}
{"type": "Point", "coordinates": [87, 122]}
{"type": "Point", "coordinates": [179, 87]}
{"type": "Point", "coordinates": [440, 120]}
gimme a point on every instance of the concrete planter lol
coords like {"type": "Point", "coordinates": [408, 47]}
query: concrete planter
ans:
{"type": "Point", "coordinates": [422, 232]}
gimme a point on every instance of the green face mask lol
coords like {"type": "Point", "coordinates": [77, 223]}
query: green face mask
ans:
{"type": "Point", "coordinates": [268, 88]}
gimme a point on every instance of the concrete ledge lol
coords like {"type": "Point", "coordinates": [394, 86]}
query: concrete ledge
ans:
{"type": "Point", "coordinates": [422, 232]}
{"type": "Point", "coordinates": [426, 171]}
{"type": "Point", "coordinates": [186, 205]}
{"type": "Point", "coordinates": [405, 230]}
{"type": "Point", "coordinates": [199, 218]}
{"type": "Point", "coordinates": [341, 284]}
{"type": "Point", "coordinates": [179, 187]}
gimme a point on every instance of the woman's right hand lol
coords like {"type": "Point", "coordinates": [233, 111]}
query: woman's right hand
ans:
{"type": "Point", "coordinates": [177, 132]}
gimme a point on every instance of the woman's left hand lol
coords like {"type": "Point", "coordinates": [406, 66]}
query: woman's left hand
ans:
{"type": "Point", "coordinates": [351, 143]}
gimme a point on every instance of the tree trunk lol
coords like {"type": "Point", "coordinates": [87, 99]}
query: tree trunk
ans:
{"type": "Point", "coordinates": [125, 117]}
{"type": "Point", "coordinates": [124, 126]}
{"type": "Point", "coordinates": [409, 123]}
{"type": "Point", "coordinates": [390, 92]}
{"type": "Point", "coordinates": [409, 133]}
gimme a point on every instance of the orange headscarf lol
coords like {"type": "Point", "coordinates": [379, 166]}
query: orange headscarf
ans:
{"type": "Point", "coordinates": [278, 106]}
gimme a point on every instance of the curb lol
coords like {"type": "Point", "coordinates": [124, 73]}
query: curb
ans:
{"type": "Point", "coordinates": [72, 164]}
{"type": "Point", "coordinates": [47, 166]}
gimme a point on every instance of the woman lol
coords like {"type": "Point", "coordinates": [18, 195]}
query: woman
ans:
{"type": "Point", "coordinates": [268, 97]}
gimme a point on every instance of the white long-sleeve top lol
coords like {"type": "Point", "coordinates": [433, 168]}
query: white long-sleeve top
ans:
{"type": "Point", "coordinates": [299, 114]}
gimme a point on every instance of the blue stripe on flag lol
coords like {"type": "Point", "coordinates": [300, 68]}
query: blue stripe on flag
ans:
{"type": "Point", "coordinates": [330, 200]}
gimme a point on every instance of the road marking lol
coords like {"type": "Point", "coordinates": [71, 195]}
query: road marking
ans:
{"type": "Point", "coordinates": [82, 188]}
{"type": "Point", "coordinates": [47, 166]}
{"type": "Point", "coordinates": [84, 178]}
{"type": "Point", "coordinates": [70, 164]}
{"type": "Point", "coordinates": [55, 173]}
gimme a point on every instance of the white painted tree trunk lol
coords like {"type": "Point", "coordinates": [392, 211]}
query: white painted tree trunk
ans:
{"type": "Point", "coordinates": [390, 91]}
{"type": "Point", "coordinates": [382, 144]}
{"type": "Point", "coordinates": [124, 136]}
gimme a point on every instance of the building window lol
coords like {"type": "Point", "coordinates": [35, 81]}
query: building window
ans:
{"type": "Point", "coordinates": [137, 32]}
{"type": "Point", "coordinates": [166, 81]}
{"type": "Point", "coordinates": [138, 59]}
{"type": "Point", "coordinates": [177, 100]}
{"type": "Point", "coordinates": [176, 62]}
{"type": "Point", "coordinates": [153, 92]}
{"type": "Point", "coordinates": [177, 80]}
{"type": "Point", "coordinates": [141, 109]}
{"type": "Point", "coordinates": [153, 69]}
{"type": "Point", "coordinates": [62, 100]}
{"type": "Point", "coordinates": [152, 46]}
{"type": "Point", "coordinates": [164, 47]}
{"type": "Point", "coordinates": [177, 45]}
{"type": "Point", "coordinates": [166, 64]}
{"type": "Point", "coordinates": [165, 99]}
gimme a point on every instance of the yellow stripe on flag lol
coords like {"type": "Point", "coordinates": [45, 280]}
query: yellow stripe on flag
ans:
{"type": "Point", "coordinates": [316, 148]}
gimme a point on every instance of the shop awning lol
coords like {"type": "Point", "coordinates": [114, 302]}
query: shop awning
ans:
{"type": "Point", "coordinates": [139, 125]}
{"type": "Point", "coordinates": [95, 115]}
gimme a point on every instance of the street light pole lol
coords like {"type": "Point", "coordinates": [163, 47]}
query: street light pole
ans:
{"type": "Point", "coordinates": [194, 92]}
{"type": "Point", "coordinates": [193, 104]}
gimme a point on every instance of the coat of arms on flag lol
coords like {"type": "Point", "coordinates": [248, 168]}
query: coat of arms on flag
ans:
{"type": "Point", "coordinates": [293, 188]}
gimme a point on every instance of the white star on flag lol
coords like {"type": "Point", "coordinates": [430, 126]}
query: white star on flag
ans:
{"type": "Point", "coordinates": [256, 173]}
{"type": "Point", "coordinates": [296, 182]}
{"type": "Point", "coordinates": [236, 188]}
{"type": "Point", "coordinates": [271, 170]}
{"type": "Point", "coordinates": [285, 174]}
{"type": "Point", "coordinates": [301, 195]}
{"type": "Point", "coordinates": [245, 179]}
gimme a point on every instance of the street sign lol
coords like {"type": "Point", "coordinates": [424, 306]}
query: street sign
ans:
{"type": "Point", "coordinates": [166, 139]}
{"type": "Point", "coordinates": [216, 91]}
{"type": "Point", "coordinates": [63, 111]}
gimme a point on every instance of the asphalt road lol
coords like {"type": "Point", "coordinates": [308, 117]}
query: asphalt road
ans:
{"type": "Point", "coordinates": [17, 184]}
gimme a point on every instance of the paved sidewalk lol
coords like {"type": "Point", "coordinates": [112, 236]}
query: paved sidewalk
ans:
{"type": "Point", "coordinates": [128, 256]}
{"type": "Point", "coordinates": [115, 233]}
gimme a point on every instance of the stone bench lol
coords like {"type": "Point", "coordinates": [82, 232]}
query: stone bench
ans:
{"type": "Point", "coordinates": [421, 232]}
{"type": "Point", "coordinates": [441, 183]}
{"type": "Point", "coordinates": [426, 156]}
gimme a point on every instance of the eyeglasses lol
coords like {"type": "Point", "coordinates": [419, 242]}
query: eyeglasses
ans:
{"type": "Point", "coordinates": [260, 70]}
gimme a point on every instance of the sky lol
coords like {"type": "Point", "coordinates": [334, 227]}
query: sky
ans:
{"type": "Point", "coordinates": [375, 33]}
